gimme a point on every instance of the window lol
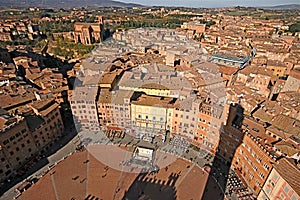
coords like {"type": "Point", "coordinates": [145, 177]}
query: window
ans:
{"type": "Point", "coordinates": [257, 183]}
{"type": "Point", "coordinates": [276, 177]}
{"type": "Point", "coordinates": [272, 183]}
{"type": "Point", "coordinates": [266, 166]}
{"type": "Point", "coordinates": [258, 160]}
{"type": "Point", "coordinates": [293, 197]}
{"type": "Point", "coordinates": [255, 129]}
{"type": "Point", "coordinates": [12, 138]}
{"type": "Point", "coordinates": [251, 176]}
{"type": "Point", "coordinates": [268, 190]}
{"type": "Point", "coordinates": [261, 175]}
{"type": "Point", "coordinates": [5, 142]}
{"type": "Point", "coordinates": [286, 189]}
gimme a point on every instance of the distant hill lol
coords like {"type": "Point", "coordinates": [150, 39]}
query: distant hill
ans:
{"type": "Point", "coordinates": [63, 3]}
{"type": "Point", "coordinates": [284, 7]}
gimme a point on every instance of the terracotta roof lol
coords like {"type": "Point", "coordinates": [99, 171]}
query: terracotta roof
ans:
{"type": "Point", "coordinates": [105, 96]}
{"type": "Point", "coordinates": [108, 78]}
{"type": "Point", "coordinates": [278, 132]}
{"type": "Point", "coordinates": [49, 109]}
{"type": "Point", "coordinates": [2, 122]}
{"type": "Point", "coordinates": [154, 86]}
{"type": "Point", "coordinates": [286, 124]}
{"type": "Point", "coordinates": [118, 97]}
{"type": "Point", "coordinates": [227, 70]}
{"type": "Point", "coordinates": [289, 172]}
{"type": "Point", "coordinates": [295, 74]}
{"type": "Point", "coordinates": [84, 93]}
{"type": "Point", "coordinates": [287, 148]}
{"type": "Point", "coordinates": [42, 104]}
{"type": "Point", "coordinates": [7, 101]}
{"type": "Point", "coordinates": [262, 115]}
{"type": "Point", "coordinates": [156, 101]}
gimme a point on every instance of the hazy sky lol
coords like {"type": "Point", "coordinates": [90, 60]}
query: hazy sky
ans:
{"type": "Point", "coordinates": [212, 3]}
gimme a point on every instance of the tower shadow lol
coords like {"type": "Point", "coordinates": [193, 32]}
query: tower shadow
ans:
{"type": "Point", "coordinates": [231, 136]}
{"type": "Point", "coordinates": [144, 187]}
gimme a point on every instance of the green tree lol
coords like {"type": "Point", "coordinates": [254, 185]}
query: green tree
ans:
{"type": "Point", "coordinates": [294, 27]}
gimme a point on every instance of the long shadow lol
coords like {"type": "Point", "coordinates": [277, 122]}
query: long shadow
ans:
{"type": "Point", "coordinates": [45, 61]}
{"type": "Point", "coordinates": [231, 137]}
{"type": "Point", "coordinates": [148, 188]}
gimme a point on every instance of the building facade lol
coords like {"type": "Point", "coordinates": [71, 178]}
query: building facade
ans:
{"type": "Point", "coordinates": [89, 33]}
{"type": "Point", "coordinates": [282, 182]}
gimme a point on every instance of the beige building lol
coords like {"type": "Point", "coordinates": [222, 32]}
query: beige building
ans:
{"type": "Point", "coordinates": [150, 114]}
{"type": "Point", "coordinates": [195, 26]}
{"type": "Point", "coordinates": [84, 108]}
{"type": "Point", "coordinates": [184, 118]}
{"type": "Point", "coordinates": [114, 108]}
{"type": "Point", "coordinates": [282, 182]}
{"type": "Point", "coordinates": [292, 83]}
{"type": "Point", "coordinates": [121, 108]}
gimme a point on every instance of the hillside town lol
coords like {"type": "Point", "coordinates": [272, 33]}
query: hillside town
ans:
{"type": "Point", "coordinates": [220, 98]}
